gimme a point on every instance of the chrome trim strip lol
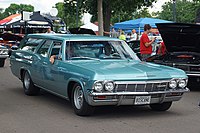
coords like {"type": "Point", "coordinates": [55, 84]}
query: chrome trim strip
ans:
{"type": "Point", "coordinates": [52, 92]}
{"type": "Point", "coordinates": [193, 74]}
{"type": "Point", "coordinates": [141, 82]}
{"type": "Point", "coordinates": [185, 65]}
{"type": "Point", "coordinates": [139, 93]}
{"type": "Point", "coordinates": [4, 56]}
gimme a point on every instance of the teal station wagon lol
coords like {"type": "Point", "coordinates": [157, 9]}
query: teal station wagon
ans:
{"type": "Point", "coordinates": [94, 71]}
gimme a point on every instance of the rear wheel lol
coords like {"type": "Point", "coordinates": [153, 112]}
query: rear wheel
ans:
{"type": "Point", "coordinates": [81, 107]}
{"type": "Point", "coordinates": [161, 106]}
{"type": "Point", "coordinates": [29, 88]}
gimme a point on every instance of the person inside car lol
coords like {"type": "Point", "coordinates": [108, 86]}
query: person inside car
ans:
{"type": "Point", "coordinates": [69, 53]}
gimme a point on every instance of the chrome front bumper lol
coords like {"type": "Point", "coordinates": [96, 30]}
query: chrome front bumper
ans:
{"type": "Point", "coordinates": [128, 98]}
{"type": "Point", "coordinates": [3, 56]}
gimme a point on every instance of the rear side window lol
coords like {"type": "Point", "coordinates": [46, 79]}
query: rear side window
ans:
{"type": "Point", "coordinates": [31, 44]}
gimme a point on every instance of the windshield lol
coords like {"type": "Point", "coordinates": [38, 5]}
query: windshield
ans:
{"type": "Point", "coordinates": [97, 50]}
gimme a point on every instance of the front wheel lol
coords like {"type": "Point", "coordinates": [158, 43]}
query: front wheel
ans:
{"type": "Point", "coordinates": [161, 106]}
{"type": "Point", "coordinates": [81, 107]}
{"type": "Point", "coordinates": [29, 88]}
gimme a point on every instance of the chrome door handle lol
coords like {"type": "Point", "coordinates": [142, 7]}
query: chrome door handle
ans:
{"type": "Point", "coordinates": [44, 63]}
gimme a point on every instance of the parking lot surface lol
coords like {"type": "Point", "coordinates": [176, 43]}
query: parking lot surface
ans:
{"type": "Point", "coordinates": [47, 113]}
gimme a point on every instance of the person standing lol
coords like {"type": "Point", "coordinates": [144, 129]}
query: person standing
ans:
{"type": "Point", "coordinates": [133, 35]}
{"type": "Point", "coordinates": [49, 31]}
{"type": "Point", "coordinates": [146, 43]}
{"type": "Point", "coordinates": [122, 36]}
{"type": "Point", "coordinates": [112, 33]}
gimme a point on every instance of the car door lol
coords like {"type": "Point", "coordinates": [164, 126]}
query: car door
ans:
{"type": "Point", "coordinates": [41, 61]}
{"type": "Point", "coordinates": [51, 72]}
{"type": "Point", "coordinates": [27, 56]}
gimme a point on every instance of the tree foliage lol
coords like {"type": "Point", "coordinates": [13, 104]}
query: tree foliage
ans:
{"type": "Point", "coordinates": [15, 8]}
{"type": "Point", "coordinates": [186, 11]}
{"type": "Point", "coordinates": [115, 10]}
{"type": "Point", "coordinates": [143, 13]}
{"type": "Point", "coordinates": [67, 11]}
{"type": "Point", "coordinates": [1, 14]}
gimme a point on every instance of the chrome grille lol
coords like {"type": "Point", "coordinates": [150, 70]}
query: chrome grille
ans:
{"type": "Point", "coordinates": [142, 87]}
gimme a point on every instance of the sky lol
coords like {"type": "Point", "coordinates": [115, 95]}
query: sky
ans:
{"type": "Point", "coordinates": [158, 5]}
{"type": "Point", "coordinates": [39, 5]}
{"type": "Point", "coordinates": [44, 6]}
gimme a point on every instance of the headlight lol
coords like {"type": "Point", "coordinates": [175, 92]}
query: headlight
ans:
{"type": "Point", "coordinates": [173, 84]}
{"type": "Point", "coordinates": [98, 86]}
{"type": "Point", "coordinates": [109, 86]}
{"type": "Point", "coordinates": [182, 83]}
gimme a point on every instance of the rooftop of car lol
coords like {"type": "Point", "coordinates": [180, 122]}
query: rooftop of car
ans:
{"type": "Point", "coordinates": [77, 37]}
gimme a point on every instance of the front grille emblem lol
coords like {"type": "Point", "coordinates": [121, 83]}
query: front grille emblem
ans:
{"type": "Point", "coordinates": [161, 86]}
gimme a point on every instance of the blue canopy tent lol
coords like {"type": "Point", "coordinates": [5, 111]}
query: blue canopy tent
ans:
{"type": "Point", "coordinates": [138, 24]}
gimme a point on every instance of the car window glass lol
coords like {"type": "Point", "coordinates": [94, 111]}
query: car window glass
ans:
{"type": "Point", "coordinates": [83, 49]}
{"type": "Point", "coordinates": [31, 44]}
{"type": "Point", "coordinates": [56, 49]}
{"type": "Point", "coordinates": [77, 50]}
{"type": "Point", "coordinates": [43, 51]}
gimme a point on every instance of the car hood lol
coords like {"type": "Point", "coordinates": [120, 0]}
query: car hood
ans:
{"type": "Point", "coordinates": [130, 70]}
{"type": "Point", "coordinates": [180, 36]}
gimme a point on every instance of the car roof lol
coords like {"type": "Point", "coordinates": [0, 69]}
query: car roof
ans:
{"type": "Point", "coordinates": [73, 37]}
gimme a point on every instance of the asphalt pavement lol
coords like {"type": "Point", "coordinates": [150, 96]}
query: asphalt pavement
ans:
{"type": "Point", "coordinates": [47, 113]}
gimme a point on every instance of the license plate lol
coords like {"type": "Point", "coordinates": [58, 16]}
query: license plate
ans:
{"type": "Point", "coordinates": [142, 100]}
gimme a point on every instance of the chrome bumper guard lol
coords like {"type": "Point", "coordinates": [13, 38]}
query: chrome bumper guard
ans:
{"type": "Point", "coordinates": [139, 93]}
{"type": "Point", "coordinates": [122, 100]}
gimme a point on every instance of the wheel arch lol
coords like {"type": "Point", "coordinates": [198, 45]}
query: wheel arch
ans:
{"type": "Point", "coordinates": [70, 85]}
{"type": "Point", "coordinates": [22, 70]}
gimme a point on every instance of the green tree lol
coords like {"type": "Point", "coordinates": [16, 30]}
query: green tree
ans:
{"type": "Point", "coordinates": [15, 8]}
{"type": "Point", "coordinates": [143, 13]}
{"type": "Point", "coordinates": [1, 14]}
{"type": "Point", "coordinates": [115, 10]}
{"type": "Point", "coordinates": [186, 11]}
{"type": "Point", "coordinates": [67, 11]}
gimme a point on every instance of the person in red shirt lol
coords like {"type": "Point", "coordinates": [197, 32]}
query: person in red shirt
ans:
{"type": "Point", "coordinates": [145, 43]}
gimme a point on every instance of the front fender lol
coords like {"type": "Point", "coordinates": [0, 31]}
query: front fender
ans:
{"type": "Point", "coordinates": [81, 82]}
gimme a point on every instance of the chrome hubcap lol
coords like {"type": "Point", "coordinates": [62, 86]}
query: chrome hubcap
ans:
{"type": "Point", "coordinates": [78, 97]}
{"type": "Point", "coordinates": [26, 80]}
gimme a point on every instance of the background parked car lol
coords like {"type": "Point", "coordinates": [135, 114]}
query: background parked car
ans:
{"type": "Point", "coordinates": [10, 41]}
{"type": "Point", "coordinates": [182, 42]}
{"type": "Point", "coordinates": [3, 55]}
